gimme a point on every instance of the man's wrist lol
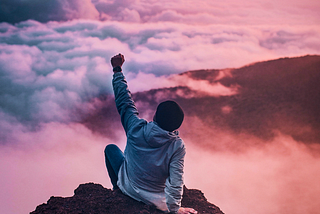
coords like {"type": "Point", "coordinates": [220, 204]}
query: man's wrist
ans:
{"type": "Point", "coordinates": [117, 69]}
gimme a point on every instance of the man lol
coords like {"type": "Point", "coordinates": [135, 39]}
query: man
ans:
{"type": "Point", "coordinates": [151, 168]}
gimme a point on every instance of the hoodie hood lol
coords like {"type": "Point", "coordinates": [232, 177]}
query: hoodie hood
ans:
{"type": "Point", "coordinates": [157, 137]}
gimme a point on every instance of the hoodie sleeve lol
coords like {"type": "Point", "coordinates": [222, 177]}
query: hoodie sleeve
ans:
{"type": "Point", "coordinates": [124, 102]}
{"type": "Point", "coordinates": [174, 183]}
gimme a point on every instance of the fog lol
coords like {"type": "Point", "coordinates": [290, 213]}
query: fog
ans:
{"type": "Point", "coordinates": [240, 174]}
{"type": "Point", "coordinates": [281, 177]}
{"type": "Point", "coordinates": [297, 12]}
{"type": "Point", "coordinates": [62, 66]}
{"type": "Point", "coordinates": [57, 112]}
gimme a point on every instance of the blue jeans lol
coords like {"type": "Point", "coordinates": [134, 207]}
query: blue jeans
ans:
{"type": "Point", "coordinates": [114, 158]}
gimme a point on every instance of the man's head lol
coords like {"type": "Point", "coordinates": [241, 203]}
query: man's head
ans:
{"type": "Point", "coordinates": [169, 115]}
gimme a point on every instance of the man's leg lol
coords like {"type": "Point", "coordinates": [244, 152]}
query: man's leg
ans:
{"type": "Point", "coordinates": [114, 158]}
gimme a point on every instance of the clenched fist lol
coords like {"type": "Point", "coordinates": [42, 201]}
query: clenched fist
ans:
{"type": "Point", "coordinates": [117, 60]}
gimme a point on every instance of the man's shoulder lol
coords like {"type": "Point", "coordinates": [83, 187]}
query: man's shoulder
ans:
{"type": "Point", "coordinates": [137, 124]}
{"type": "Point", "coordinates": [178, 144]}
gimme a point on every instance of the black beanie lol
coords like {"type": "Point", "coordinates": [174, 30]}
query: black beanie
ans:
{"type": "Point", "coordinates": [169, 115]}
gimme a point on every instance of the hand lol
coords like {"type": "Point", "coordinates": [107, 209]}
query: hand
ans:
{"type": "Point", "coordinates": [117, 60]}
{"type": "Point", "coordinates": [183, 210]}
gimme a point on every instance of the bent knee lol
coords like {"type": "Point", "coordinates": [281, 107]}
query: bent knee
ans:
{"type": "Point", "coordinates": [109, 148]}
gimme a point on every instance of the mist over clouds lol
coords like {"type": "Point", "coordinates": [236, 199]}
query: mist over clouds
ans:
{"type": "Point", "coordinates": [14, 11]}
{"type": "Point", "coordinates": [297, 12]}
{"type": "Point", "coordinates": [51, 72]}
{"type": "Point", "coordinates": [255, 126]}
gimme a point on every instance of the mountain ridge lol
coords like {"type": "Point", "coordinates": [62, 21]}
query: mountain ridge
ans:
{"type": "Point", "coordinates": [272, 97]}
{"type": "Point", "coordinates": [280, 94]}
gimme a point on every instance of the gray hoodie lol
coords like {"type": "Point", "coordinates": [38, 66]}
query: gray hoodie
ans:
{"type": "Point", "coordinates": [152, 171]}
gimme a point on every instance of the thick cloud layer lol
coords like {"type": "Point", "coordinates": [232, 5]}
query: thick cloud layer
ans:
{"type": "Point", "coordinates": [51, 72]}
{"type": "Point", "coordinates": [295, 12]}
{"type": "Point", "coordinates": [14, 11]}
{"type": "Point", "coordinates": [55, 93]}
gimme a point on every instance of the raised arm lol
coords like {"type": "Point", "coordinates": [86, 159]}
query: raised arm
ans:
{"type": "Point", "coordinates": [124, 102]}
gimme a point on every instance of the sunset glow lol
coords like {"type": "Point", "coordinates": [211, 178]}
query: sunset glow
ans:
{"type": "Point", "coordinates": [55, 78]}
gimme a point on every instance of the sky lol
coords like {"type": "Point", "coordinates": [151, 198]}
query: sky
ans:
{"type": "Point", "coordinates": [55, 66]}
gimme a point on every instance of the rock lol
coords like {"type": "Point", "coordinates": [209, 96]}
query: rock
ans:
{"type": "Point", "coordinates": [93, 198]}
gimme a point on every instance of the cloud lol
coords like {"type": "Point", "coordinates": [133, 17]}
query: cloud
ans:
{"type": "Point", "coordinates": [203, 87]}
{"type": "Point", "coordinates": [276, 40]}
{"type": "Point", "coordinates": [206, 12]}
{"type": "Point", "coordinates": [211, 89]}
{"type": "Point", "coordinates": [248, 174]}
{"type": "Point", "coordinates": [75, 9]}
{"type": "Point", "coordinates": [279, 177]}
{"type": "Point", "coordinates": [62, 66]}
{"type": "Point", "coordinates": [58, 10]}
{"type": "Point", "coordinates": [53, 161]}
{"type": "Point", "coordinates": [56, 96]}
{"type": "Point", "coordinates": [28, 86]}
{"type": "Point", "coordinates": [230, 12]}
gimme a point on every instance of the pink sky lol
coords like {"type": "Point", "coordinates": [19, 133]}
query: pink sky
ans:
{"type": "Point", "coordinates": [49, 69]}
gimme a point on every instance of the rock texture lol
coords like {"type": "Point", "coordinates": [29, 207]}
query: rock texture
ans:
{"type": "Point", "coordinates": [93, 198]}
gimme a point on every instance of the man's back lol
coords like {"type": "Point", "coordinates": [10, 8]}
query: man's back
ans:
{"type": "Point", "coordinates": [151, 168]}
{"type": "Point", "coordinates": [154, 157]}
{"type": "Point", "coordinates": [148, 154]}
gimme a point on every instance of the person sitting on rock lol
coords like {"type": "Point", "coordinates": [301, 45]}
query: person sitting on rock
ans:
{"type": "Point", "coordinates": [151, 168]}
